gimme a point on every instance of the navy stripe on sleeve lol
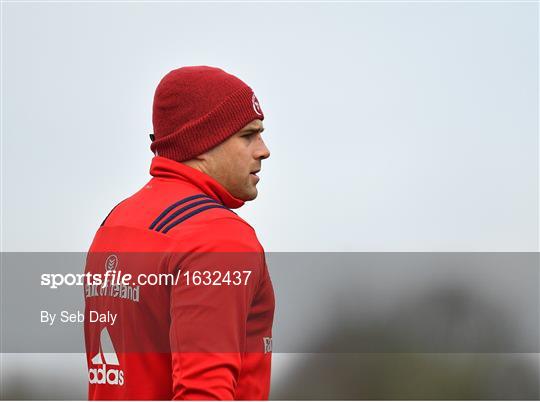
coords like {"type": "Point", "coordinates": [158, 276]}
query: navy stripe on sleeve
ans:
{"type": "Point", "coordinates": [184, 209]}
{"type": "Point", "coordinates": [176, 204]}
{"type": "Point", "coordinates": [189, 215]}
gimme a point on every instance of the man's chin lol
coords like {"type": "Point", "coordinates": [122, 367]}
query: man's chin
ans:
{"type": "Point", "coordinates": [248, 195]}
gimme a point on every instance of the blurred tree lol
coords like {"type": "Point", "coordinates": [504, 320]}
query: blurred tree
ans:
{"type": "Point", "coordinates": [444, 344]}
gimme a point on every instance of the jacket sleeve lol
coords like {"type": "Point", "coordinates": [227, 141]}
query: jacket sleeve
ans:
{"type": "Point", "coordinates": [209, 309]}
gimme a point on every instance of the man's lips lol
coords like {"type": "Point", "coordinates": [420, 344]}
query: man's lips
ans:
{"type": "Point", "coordinates": [254, 173]}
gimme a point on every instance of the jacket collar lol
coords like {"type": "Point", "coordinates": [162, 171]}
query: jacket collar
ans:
{"type": "Point", "coordinates": [164, 168]}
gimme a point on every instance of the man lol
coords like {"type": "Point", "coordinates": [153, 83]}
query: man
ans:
{"type": "Point", "coordinates": [208, 334]}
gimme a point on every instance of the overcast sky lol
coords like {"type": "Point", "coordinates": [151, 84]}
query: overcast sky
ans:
{"type": "Point", "coordinates": [392, 126]}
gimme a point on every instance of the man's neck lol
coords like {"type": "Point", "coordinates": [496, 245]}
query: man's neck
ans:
{"type": "Point", "coordinates": [197, 164]}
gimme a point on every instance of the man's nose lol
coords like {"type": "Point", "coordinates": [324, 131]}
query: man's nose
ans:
{"type": "Point", "coordinates": [262, 151]}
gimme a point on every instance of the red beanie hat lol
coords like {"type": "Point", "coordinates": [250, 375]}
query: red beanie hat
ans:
{"type": "Point", "coordinates": [197, 108]}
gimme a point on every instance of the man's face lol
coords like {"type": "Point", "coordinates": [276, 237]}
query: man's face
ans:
{"type": "Point", "coordinates": [236, 162]}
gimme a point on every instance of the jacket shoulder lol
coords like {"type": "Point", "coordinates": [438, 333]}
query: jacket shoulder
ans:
{"type": "Point", "coordinates": [190, 218]}
{"type": "Point", "coordinates": [222, 232]}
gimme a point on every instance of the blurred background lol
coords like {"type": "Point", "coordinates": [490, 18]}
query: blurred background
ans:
{"type": "Point", "coordinates": [395, 128]}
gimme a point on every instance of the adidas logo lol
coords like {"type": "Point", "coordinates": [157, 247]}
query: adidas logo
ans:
{"type": "Point", "coordinates": [105, 357]}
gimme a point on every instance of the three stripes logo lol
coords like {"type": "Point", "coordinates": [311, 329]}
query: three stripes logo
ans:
{"type": "Point", "coordinates": [105, 357]}
{"type": "Point", "coordinates": [183, 210]}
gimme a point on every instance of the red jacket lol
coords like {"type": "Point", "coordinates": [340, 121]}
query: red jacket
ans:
{"type": "Point", "coordinates": [206, 336]}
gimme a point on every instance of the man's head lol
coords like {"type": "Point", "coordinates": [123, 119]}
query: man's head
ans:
{"type": "Point", "coordinates": [236, 162]}
{"type": "Point", "coordinates": [211, 120]}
